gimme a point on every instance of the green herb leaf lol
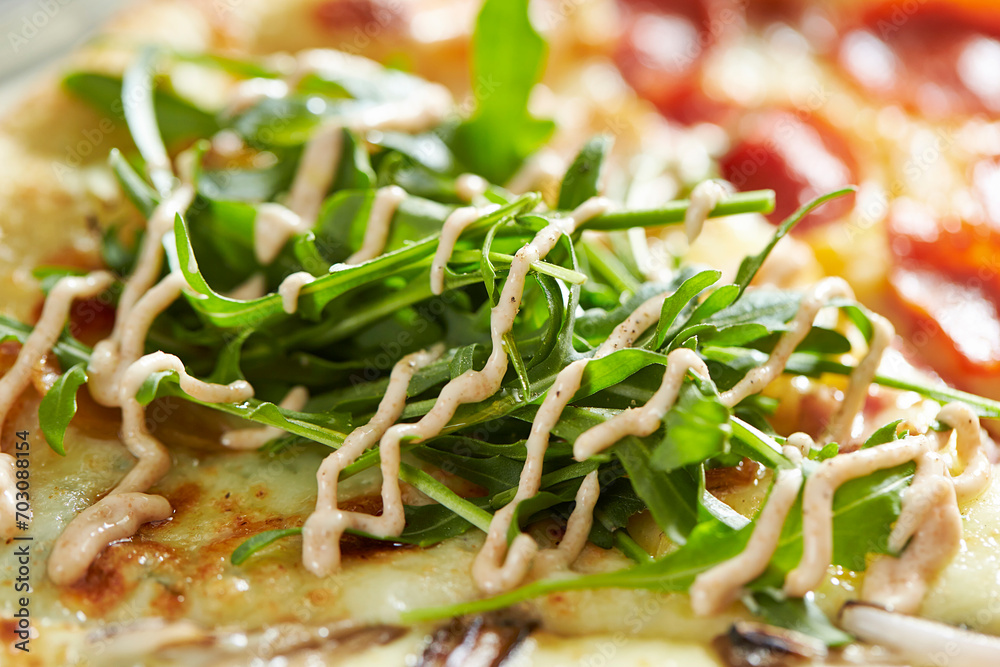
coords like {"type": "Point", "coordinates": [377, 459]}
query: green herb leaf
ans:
{"type": "Point", "coordinates": [581, 180]}
{"type": "Point", "coordinates": [697, 428]}
{"type": "Point", "coordinates": [57, 407]}
{"type": "Point", "coordinates": [507, 61]}
{"type": "Point", "coordinates": [258, 542]}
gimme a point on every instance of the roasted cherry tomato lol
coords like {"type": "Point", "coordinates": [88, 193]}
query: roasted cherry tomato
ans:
{"type": "Point", "coordinates": [662, 49]}
{"type": "Point", "coordinates": [798, 157]}
{"type": "Point", "coordinates": [938, 58]}
{"type": "Point", "coordinates": [946, 283]}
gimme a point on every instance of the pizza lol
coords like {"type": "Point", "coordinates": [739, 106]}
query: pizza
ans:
{"type": "Point", "coordinates": [475, 333]}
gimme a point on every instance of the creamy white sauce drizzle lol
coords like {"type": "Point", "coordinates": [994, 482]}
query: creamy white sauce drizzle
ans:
{"type": "Point", "coordinates": [55, 313]}
{"type": "Point", "coordinates": [470, 387]}
{"type": "Point", "coordinates": [316, 171]}
{"type": "Point", "coordinates": [715, 589]}
{"type": "Point", "coordinates": [384, 206]}
{"type": "Point", "coordinates": [119, 514]}
{"type": "Point", "coordinates": [574, 538]}
{"type": "Point", "coordinates": [971, 448]}
{"type": "Point", "coordinates": [495, 569]}
{"type": "Point", "coordinates": [272, 227]}
{"type": "Point", "coordinates": [470, 186]}
{"type": "Point", "coordinates": [106, 364]}
{"type": "Point", "coordinates": [257, 437]}
{"type": "Point", "coordinates": [289, 290]}
{"type": "Point", "coordinates": [704, 197]}
{"type": "Point", "coordinates": [758, 378]}
{"type": "Point", "coordinates": [642, 421]}
{"type": "Point", "coordinates": [453, 226]}
{"type": "Point", "coordinates": [113, 518]}
{"type": "Point", "coordinates": [322, 530]}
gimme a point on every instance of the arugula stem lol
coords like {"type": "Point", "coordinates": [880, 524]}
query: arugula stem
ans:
{"type": "Point", "coordinates": [755, 201]}
{"type": "Point", "coordinates": [434, 489]}
{"type": "Point", "coordinates": [631, 548]}
{"type": "Point", "coordinates": [610, 267]}
{"type": "Point", "coordinates": [561, 273]}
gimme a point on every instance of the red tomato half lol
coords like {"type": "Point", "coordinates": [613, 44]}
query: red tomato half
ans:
{"type": "Point", "coordinates": [934, 57]}
{"type": "Point", "coordinates": [799, 158]}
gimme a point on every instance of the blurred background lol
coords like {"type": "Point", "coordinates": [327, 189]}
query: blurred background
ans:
{"type": "Point", "coordinates": [36, 32]}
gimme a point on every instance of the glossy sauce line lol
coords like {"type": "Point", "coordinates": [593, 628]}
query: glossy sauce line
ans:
{"type": "Point", "coordinates": [470, 387]}
{"type": "Point", "coordinates": [496, 569]}
{"type": "Point", "coordinates": [322, 530]}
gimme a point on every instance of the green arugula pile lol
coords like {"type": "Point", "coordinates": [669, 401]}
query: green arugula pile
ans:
{"type": "Point", "coordinates": [354, 322]}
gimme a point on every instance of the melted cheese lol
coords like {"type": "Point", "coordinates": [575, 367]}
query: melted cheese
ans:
{"type": "Point", "coordinates": [255, 438]}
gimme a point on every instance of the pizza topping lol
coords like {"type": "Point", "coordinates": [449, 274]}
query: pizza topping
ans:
{"type": "Point", "coordinates": [450, 329]}
{"type": "Point", "coordinates": [497, 567]}
{"type": "Point", "coordinates": [940, 58]}
{"type": "Point", "coordinates": [470, 186]}
{"type": "Point", "coordinates": [453, 226]}
{"type": "Point", "coordinates": [290, 287]}
{"type": "Point", "coordinates": [714, 590]}
{"type": "Point", "coordinates": [918, 638]}
{"type": "Point", "coordinates": [114, 517]}
{"type": "Point", "coordinates": [800, 158]}
{"type": "Point", "coordinates": [323, 529]}
{"type": "Point", "coordinates": [46, 332]}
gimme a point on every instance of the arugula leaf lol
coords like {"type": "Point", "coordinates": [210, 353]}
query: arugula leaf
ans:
{"type": "Point", "coordinates": [862, 509]}
{"type": "Point", "coordinates": [675, 303]}
{"type": "Point", "coordinates": [259, 541]}
{"type": "Point", "coordinates": [507, 61]}
{"type": "Point", "coordinates": [752, 263]}
{"type": "Point", "coordinates": [138, 85]}
{"type": "Point", "coordinates": [57, 407]}
{"type": "Point", "coordinates": [179, 120]}
{"type": "Point", "coordinates": [581, 180]}
{"type": "Point", "coordinates": [136, 189]}
{"type": "Point", "coordinates": [697, 428]}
